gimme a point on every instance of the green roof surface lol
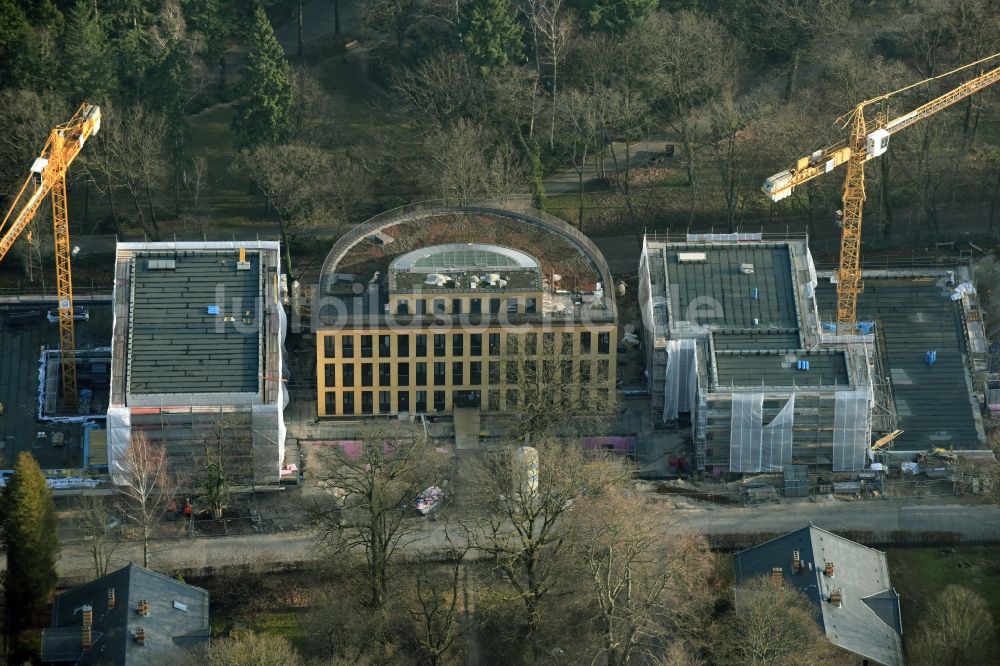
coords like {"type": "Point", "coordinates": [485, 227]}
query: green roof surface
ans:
{"type": "Point", "coordinates": [175, 345]}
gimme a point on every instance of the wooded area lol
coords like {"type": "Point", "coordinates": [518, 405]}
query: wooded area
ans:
{"type": "Point", "coordinates": [213, 126]}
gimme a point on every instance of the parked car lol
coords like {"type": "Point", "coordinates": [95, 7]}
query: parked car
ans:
{"type": "Point", "coordinates": [429, 500]}
{"type": "Point", "coordinates": [80, 313]}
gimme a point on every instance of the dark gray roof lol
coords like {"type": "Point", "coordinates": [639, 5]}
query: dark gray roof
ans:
{"type": "Point", "coordinates": [175, 345]}
{"type": "Point", "coordinates": [168, 629]}
{"type": "Point", "coordinates": [719, 278]}
{"type": "Point", "coordinates": [864, 623]}
{"type": "Point", "coordinates": [756, 340]}
{"type": "Point", "coordinates": [779, 368]}
{"type": "Point", "coordinates": [933, 404]}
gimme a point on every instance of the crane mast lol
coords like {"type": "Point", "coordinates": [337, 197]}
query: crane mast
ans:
{"type": "Point", "coordinates": [863, 144]}
{"type": "Point", "coordinates": [48, 178]}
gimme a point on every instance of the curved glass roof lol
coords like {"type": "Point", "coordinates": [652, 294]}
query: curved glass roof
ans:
{"type": "Point", "coordinates": [463, 256]}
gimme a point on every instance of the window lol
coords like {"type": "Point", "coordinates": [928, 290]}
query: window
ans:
{"type": "Point", "coordinates": [547, 371]}
{"type": "Point", "coordinates": [531, 371]}
{"type": "Point", "coordinates": [330, 375]}
{"type": "Point", "coordinates": [531, 344]}
{"type": "Point", "coordinates": [494, 344]}
{"type": "Point", "coordinates": [438, 401]}
{"type": "Point", "coordinates": [531, 306]}
{"type": "Point", "coordinates": [494, 400]}
{"type": "Point", "coordinates": [458, 344]}
{"type": "Point", "coordinates": [439, 344]}
{"type": "Point", "coordinates": [348, 376]}
{"type": "Point", "coordinates": [366, 374]}
{"type": "Point", "coordinates": [511, 305]}
{"type": "Point", "coordinates": [476, 373]}
{"type": "Point", "coordinates": [456, 306]}
{"type": "Point", "coordinates": [603, 367]}
{"type": "Point", "coordinates": [511, 398]}
{"type": "Point", "coordinates": [604, 343]}
{"type": "Point", "coordinates": [384, 374]}
{"type": "Point", "coordinates": [402, 307]}
{"type": "Point", "coordinates": [476, 344]}
{"type": "Point", "coordinates": [347, 346]}
{"type": "Point", "coordinates": [403, 401]}
{"type": "Point", "coordinates": [421, 374]}
{"type": "Point", "coordinates": [457, 373]}
{"type": "Point", "coordinates": [421, 345]}
{"type": "Point", "coordinates": [439, 373]}
{"type": "Point", "coordinates": [567, 344]}
{"type": "Point", "coordinates": [604, 397]}
{"type": "Point", "coordinates": [585, 342]}
{"type": "Point", "coordinates": [421, 306]}
{"type": "Point", "coordinates": [567, 370]}
{"type": "Point", "coordinates": [511, 372]}
{"type": "Point", "coordinates": [548, 343]}
{"type": "Point", "coordinates": [367, 406]}
{"type": "Point", "coordinates": [494, 372]}
{"type": "Point", "coordinates": [383, 346]}
{"type": "Point", "coordinates": [384, 402]}
{"type": "Point", "coordinates": [511, 344]}
{"type": "Point", "coordinates": [366, 346]}
{"type": "Point", "coordinates": [494, 306]}
{"type": "Point", "coordinates": [421, 405]}
{"type": "Point", "coordinates": [330, 403]}
{"type": "Point", "coordinates": [438, 306]}
{"type": "Point", "coordinates": [329, 346]}
{"type": "Point", "coordinates": [403, 345]}
{"type": "Point", "coordinates": [348, 404]}
{"type": "Point", "coordinates": [476, 306]}
{"type": "Point", "coordinates": [402, 374]}
{"type": "Point", "coordinates": [584, 371]}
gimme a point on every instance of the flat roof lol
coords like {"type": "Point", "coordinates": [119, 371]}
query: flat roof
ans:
{"type": "Point", "coordinates": [934, 406]}
{"type": "Point", "coordinates": [717, 292]}
{"type": "Point", "coordinates": [780, 369]}
{"type": "Point", "coordinates": [195, 325]}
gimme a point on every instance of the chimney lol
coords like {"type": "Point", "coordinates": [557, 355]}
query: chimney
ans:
{"type": "Point", "coordinates": [140, 636]}
{"type": "Point", "coordinates": [837, 597]}
{"type": "Point", "coordinates": [828, 570]}
{"type": "Point", "coordinates": [111, 598]}
{"type": "Point", "coordinates": [86, 635]}
{"type": "Point", "coordinates": [776, 575]}
{"type": "Point", "coordinates": [143, 608]}
{"type": "Point", "coordinates": [796, 562]}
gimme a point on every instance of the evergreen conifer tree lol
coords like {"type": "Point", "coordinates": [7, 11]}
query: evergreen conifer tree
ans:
{"type": "Point", "coordinates": [29, 533]}
{"type": "Point", "coordinates": [263, 113]}
{"type": "Point", "coordinates": [87, 62]}
{"type": "Point", "coordinates": [490, 33]}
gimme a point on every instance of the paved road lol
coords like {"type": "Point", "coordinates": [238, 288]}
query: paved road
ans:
{"type": "Point", "coordinates": [973, 522]}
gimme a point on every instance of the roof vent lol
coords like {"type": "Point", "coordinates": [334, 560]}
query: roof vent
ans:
{"type": "Point", "coordinates": [161, 264]}
{"type": "Point", "coordinates": [746, 269]}
{"type": "Point", "coordinates": [243, 264]}
{"type": "Point", "coordinates": [691, 257]}
{"type": "Point", "coordinates": [180, 606]}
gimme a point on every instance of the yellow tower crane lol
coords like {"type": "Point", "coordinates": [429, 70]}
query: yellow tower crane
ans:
{"type": "Point", "coordinates": [868, 139]}
{"type": "Point", "coordinates": [48, 176]}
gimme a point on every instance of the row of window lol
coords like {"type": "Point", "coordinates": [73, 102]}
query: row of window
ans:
{"type": "Point", "coordinates": [510, 305]}
{"type": "Point", "coordinates": [381, 402]}
{"type": "Point", "coordinates": [380, 374]}
{"type": "Point", "coordinates": [454, 344]}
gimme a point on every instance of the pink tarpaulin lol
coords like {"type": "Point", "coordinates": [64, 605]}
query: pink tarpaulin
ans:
{"type": "Point", "coordinates": [620, 445]}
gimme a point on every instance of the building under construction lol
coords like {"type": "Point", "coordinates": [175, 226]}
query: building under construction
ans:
{"type": "Point", "coordinates": [197, 357]}
{"type": "Point", "coordinates": [735, 346]}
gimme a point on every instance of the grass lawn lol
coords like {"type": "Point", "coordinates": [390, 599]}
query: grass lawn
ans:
{"type": "Point", "coordinates": [920, 573]}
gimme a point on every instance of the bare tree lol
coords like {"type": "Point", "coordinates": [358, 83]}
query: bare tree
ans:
{"type": "Point", "coordinates": [101, 530]}
{"type": "Point", "coordinates": [644, 587]}
{"type": "Point", "coordinates": [580, 129]}
{"type": "Point", "coordinates": [149, 486]}
{"type": "Point", "coordinates": [772, 624]}
{"type": "Point", "coordinates": [956, 628]}
{"type": "Point", "coordinates": [364, 499]}
{"type": "Point", "coordinates": [526, 528]}
{"type": "Point", "coordinates": [468, 165]}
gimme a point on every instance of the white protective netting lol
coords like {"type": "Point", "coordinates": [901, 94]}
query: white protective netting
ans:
{"type": "Point", "coordinates": [851, 430]}
{"type": "Point", "coordinates": [753, 446]}
{"type": "Point", "coordinates": [681, 381]}
{"type": "Point", "coordinates": [645, 290]}
{"type": "Point", "coordinates": [119, 436]}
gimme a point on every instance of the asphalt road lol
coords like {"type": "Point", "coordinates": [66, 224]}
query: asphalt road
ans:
{"type": "Point", "coordinates": [974, 522]}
